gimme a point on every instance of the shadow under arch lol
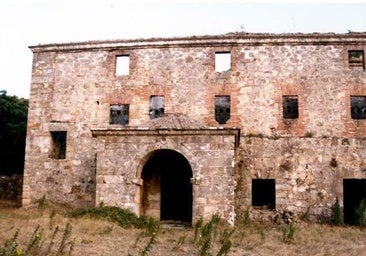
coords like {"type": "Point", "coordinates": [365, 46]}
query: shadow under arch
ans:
{"type": "Point", "coordinates": [167, 190]}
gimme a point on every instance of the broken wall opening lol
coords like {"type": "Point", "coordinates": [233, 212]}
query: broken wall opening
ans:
{"type": "Point", "coordinates": [290, 106]}
{"type": "Point", "coordinates": [358, 107]}
{"type": "Point", "coordinates": [222, 108]}
{"type": "Point", "coordinates": [156, 106]}
{"type": "Point", "coordinates": [119, 114]}
{"type": "Point", "coordinates": [264, 193]}
{"type": "Point", "coordinates": [58, 145]}
{"type": "Point", "coordinates": [167, 190]}
{"type": "Point", "coordinates": [354, 190]}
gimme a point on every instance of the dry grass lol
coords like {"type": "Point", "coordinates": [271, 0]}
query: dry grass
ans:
{"type": "Point", "coordinates": [98, 237]}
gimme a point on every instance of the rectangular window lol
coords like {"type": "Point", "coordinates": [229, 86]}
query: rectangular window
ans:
{"type": "Point", "coordinates": [356, 58]}
{"type": "Point", "coordinates": [119, 114]}
{"type": "Point", "coordinates": [264, 193]}
{"type": "Point", "coordinates": [358, 107]}
{"type": "Point", "coordinates": [222, 61]}
{"type": "Point", "coordinates": [58, 145]}
{"type": "Point", "coordinates": [222, 109]}
{"type": "Point", "coordinates": [156, 106]}
{"type": "Point", "coordinates": [122, 65]}
{"type": "Point", "coordinates": [290, 106]}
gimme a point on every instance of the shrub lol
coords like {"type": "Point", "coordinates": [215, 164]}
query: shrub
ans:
{"type": "Point", "coordinates": [122, 217]}
{"type": "Point", "coordinates": [35, 245]}
{"type": "Point", "coordinates": [288, 233]}
{"type": "Point", "coordinates": [336, 218]}
{"type": "Point", "coordinates": [361, 213]}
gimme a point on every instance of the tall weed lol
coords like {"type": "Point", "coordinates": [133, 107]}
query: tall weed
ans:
{"type": "Point", "coordinates": [361, 213]}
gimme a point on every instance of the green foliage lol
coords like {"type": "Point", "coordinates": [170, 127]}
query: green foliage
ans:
{"type": "Point", "coordinates": [305, 216]}
{"type": "Point", "coordinates": [243, 218]}
{"type": "Point", "coordinates": [52, 241]}
{"type": "Point", "coordinates": [336, 218]}
{"type": "Point", "coordinates": [64, 241]}
{"type": "Point", "coordinates": [208, 234]}
{"type": "Point", "coordinates": [225, 248]}
{"type": "Point", "coordinates": [226, 234]}
{"type": "Point", "coordinates": [205, 245]}
{"type": "Point", "coordinates": [41, 203]}
{"type": "Point", "coordinates": [225, 241]}
{"type": "Point", "coordinates": [150, 244]}
{"type": "Point", "coordinates": [122, 217]}
{"type": "Point", "coordinates": [36, 242]}
{"type": "Point", "coordinates": [13, 124]}
{"type": "Point", "coordinates": [288, 233]}
{"type": "Point", "coordinates": [197, 228]}
{"type": "Point", "coordinates": [10, 247]}
{"type": "Point", "coordinates": [179, 243]}
{"type": "Point", "coordinates": [152, 229]}
{"type": "Point", "coordinates": [52, 218]}
{"type": "Point", "coordinates": [152, 226]}
{"type": "Point", "coordinates": [361, 213]}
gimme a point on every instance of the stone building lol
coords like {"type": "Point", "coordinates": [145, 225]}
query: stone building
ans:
{"type": "Point", "coordinates": [179, 128]}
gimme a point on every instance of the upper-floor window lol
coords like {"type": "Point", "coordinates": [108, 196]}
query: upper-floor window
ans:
{"type": "Point", "coordinates": [156, 106]}
{"type": "Point", "coordinates": [122, 65]}
{"type": "Point", "coordinates": [290, 106]}
{"type": "Point", "coordinates": [222, 109]}
{"type": "Point", "coordinates": [358, 107]}
{"type": "Point", "coordinates": [356, 58]}
{"type": "Point", "coordinates": [222, 61]}
{"type": "Point", "coordinates": [119, 114]}
{"type": "Point", "coordinates": [58, 145]}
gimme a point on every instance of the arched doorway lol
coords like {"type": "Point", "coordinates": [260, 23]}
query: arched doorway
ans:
{"type": "Point", "coordinates": [167, 190]}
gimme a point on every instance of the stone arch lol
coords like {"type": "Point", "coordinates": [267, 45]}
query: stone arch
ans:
{"type": "Point", "coordinates": [166, 191]}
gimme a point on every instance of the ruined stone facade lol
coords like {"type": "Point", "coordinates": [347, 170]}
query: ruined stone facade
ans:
{"type": "Point", "coordinates": [180, 128]}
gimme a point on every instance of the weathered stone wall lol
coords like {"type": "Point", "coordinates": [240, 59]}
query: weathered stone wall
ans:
{"type": "Point", "coordinates": [73, 86]}
{"type": "Point", "coordinates": [122, 157]}
{"type": "Point", "coordinates": [308, 172]}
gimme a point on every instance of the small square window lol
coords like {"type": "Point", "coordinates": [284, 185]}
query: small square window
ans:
{"type": "Point", "coordinates": [290, 105]}
{"type": "Point", "coordinates": [119, 114]}
{"type": "Point", "coordinates": [156, 106]}
{"type": "Point", "coordinates": [58, 145]}
{"type": "Point", "coordinates": [222, 109]}
{"type": "Point", "coordinates": [264, 193]}
{"type": "Point", "coordinates": [222, 61]}
{"type": "Point", "coordinates": [358, 107]}
{"type": "Point", "coordinates": [122, 65]}
{"type": "Point", "coordinates": [356, 58]}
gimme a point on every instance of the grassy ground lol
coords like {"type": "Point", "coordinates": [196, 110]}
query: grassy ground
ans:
{"type": "Point", "coordinates": [90, 236]}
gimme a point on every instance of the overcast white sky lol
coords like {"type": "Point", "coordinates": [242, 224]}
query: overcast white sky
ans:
{"type": "Point", "coordinates": [32, 22]}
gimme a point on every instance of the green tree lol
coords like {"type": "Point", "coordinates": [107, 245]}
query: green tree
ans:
{"type": "Point", "coordinates": [13, 124]}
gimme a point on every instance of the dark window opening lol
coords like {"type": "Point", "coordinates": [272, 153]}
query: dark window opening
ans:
{"type": "Point", "coordinates": [358, 107]}
{"type": "Point", "coordinates": [354, 190]}
{"type": "Point", "coordinates": [222, 109]}
{"type": "Point", "coordinates": [156, 106]}
{"type": "Point", "coordinates": [264, 193]}
{"type": "Point", "coordinates": [290, 105]}
{"type": "Point", "coordinates": [58, 145]}
{"type": "Point", "coordinates": [119, 114]}
{"type": "Point", "coordinates": [356, 58]}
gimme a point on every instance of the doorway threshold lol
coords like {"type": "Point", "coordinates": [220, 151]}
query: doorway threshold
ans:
{"type": "Point", "coordinates": [176, 224]}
